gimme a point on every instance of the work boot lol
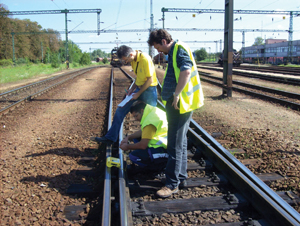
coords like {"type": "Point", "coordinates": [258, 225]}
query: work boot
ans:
{"type": "Point", "coordinates": [165, 192]}
{"type": "Point", "coordinates": [101, 140]}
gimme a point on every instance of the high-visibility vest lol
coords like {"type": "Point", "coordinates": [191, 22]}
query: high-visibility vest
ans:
{"type": "Point", "coordinates": [156, 117]}
{"type": "Point", "coordinates": [191, 96]}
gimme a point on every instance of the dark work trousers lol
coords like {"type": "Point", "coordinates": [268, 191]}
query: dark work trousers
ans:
{"type": "Point", "coordinates": [178, 124]}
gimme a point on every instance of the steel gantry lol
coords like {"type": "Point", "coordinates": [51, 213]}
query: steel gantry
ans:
{"type": "Point", "coordinates": [65, 11]}
{"type": "Point", "coordinates": [275, 12]}
{"type": "Point", "coordinates": [144, 30]}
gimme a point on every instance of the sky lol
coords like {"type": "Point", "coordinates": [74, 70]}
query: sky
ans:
{"type": "Point", "coordinates": [135, 14]}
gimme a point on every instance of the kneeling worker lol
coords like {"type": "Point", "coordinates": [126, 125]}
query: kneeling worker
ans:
{"type": "Point", "coordinates": [150, 142]}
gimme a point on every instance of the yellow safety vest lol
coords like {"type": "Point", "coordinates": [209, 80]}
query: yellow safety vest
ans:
{"type": "Point", "coordinates": [191, 96]}
{"type": "Point", "coordinates": [156, 117]}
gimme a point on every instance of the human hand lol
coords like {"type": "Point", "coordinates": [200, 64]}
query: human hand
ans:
{"type": "Point", "coordinates": [175, 102]}
{"type": "Point", "coordinates": [129, 92]}
{"type": "Point", "coordinates": [124, 146]}
{"type": "Point", "coordinates": [135, 96]}
{"type": "Point", "coordinates": [124, 141]}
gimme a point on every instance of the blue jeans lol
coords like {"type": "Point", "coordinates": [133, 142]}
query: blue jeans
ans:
{"type": "Point", "coordinates": [149, 96]}
{"type": "Point", "coordinates": [178, 124]}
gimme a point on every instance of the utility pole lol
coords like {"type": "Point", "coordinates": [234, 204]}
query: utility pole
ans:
{"type": "Point", "coordinates": [290, 54]}
{"type": "Point", "coordinates": [42, 52]}
{"type": "Point", "coordinates": [151, 28]}
{"type": "Point", "coordinates": [66, 26]}
{"type": "Point", "coordinates": [13, 43]}
{"type": "Point", "coordinates": [228, 49]}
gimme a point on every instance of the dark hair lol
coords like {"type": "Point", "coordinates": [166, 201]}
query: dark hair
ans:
{"type": "Point", "coordinates": [124, 51]}
{"type": "Point", "coordinates": [158, 35]}
{"type": "Point", "coordinates": [137, 106]}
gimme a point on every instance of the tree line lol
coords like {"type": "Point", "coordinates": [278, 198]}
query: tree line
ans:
{"type": "Point", "coordinates": [34, 44]}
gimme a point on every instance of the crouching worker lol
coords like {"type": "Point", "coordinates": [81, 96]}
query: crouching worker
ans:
{"type": "Point", "coordinates": [150, 142]}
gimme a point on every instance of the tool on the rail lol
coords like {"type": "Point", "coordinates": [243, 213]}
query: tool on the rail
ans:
{"type": "Point", "coordinates": [112, 161]}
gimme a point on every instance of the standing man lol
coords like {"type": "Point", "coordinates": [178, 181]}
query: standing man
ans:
{"type": "Point", "coordinates": [182, 93]}
{"type": "Point", "coordinates": [144, 89]}
{"type": "Point", "coordinates": [150, 142]}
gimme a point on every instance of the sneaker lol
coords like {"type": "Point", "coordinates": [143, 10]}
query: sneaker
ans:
{"type": "Point", "coordinates": [101, 140]}
{"type": "Point", "coordinates": [183, 183]}
{"type": "Point", "coordinates": [165, 192]}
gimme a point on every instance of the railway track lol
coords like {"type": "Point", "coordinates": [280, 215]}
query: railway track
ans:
{"type": "Point", "coordinates": [282, 70]}
{"type": "Point", "coordinates": [13, 98]}
{"type": "Point", "coordinates": [213, 193]}
{"type": "Point", "coordinates": [272, 69]}
{"type": "Point", "coordinates": [288, 99]}
{"type": "Point", "coordinates": [219, 188]}
{"type": "Point", "coordinates": [250, 72]}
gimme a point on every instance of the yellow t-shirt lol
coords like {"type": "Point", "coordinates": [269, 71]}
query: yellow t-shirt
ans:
{"type": "Point", "coordinates": [148, 132]}
{"type": "Point", "coordinates": [143, 68]}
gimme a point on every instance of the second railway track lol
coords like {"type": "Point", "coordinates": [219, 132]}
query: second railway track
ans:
{"type": "Point", "coordinates": [288, 99]}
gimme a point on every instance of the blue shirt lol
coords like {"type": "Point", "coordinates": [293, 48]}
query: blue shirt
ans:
{"type": "Point", "coordinates": [183, 62]}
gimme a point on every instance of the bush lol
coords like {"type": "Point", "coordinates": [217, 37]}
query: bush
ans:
{"type": "Point", "coordinates": [85, 59]}
{"type": "Point", "coordinates": [22, 61]}
{"type": "Point", "coordinates": [54, 61]}
{"type": "Point", "coordinates": [5, 62]}
{"type": "Point", "coordinates": [105, 60]}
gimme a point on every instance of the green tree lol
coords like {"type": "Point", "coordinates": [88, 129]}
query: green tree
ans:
{"type": "Point", "coordinates": [98, 53]}
{"type": "Point", "coordinates": [75, 53]}
{"type": "Point", "coordinates": [55, 60]}
{"type": "Point", "coordinates": [85, 59]}
{"type": "Point", "coordinates": [258, 41]}
{"type": "Point", "coordinates": [201, 54]}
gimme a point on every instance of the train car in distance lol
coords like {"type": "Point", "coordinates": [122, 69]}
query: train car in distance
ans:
{"type": "Point", "coordinates": [274, 51]}
{"type": "Point", "coordinates": [115, 61]}
{"type": "Point", "coordinates": [237, 59]}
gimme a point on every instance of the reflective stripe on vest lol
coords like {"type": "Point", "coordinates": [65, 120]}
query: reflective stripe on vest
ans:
{"type": "Point", "coordinates": [191, 96]}
{"type": "Point", "coordinates": [162, 140]}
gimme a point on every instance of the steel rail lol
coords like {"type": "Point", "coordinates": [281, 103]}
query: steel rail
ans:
{"type": "Point", "coordinates": [124, 196]}
{"type": "Point", "coordinates": [30, 97]}
{"type": "Point", "coordinates": [281, 211]}
{"type": "Point", "coordinates": [281, 79]}
{"type": "Point", "coordinates": [274, 209]}
{"type": "Point", "coordinates": [106, 210]}
{"type": "Point", "coordinates": [292, 105]}
{"type": "Point", "coordinates": [263, 88]}
{"type": "Point", "coordinates": [41, 82]}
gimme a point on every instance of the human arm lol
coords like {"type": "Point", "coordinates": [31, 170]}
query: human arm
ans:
{"type": "Point", "coordinates": [183, 79]}
{"type": "Point", "coordinates": [143, 88]}
{"type": "Point", "coordinates": [137, 134]}
{"type": "Point", "coordinates": [133, 87]}
{"type": "Point", "coordinates": [143, 144]}
{"type": "Point", "coordinates": [146, 135]}
{"type": "Point", "coordinates": [185, 64]}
